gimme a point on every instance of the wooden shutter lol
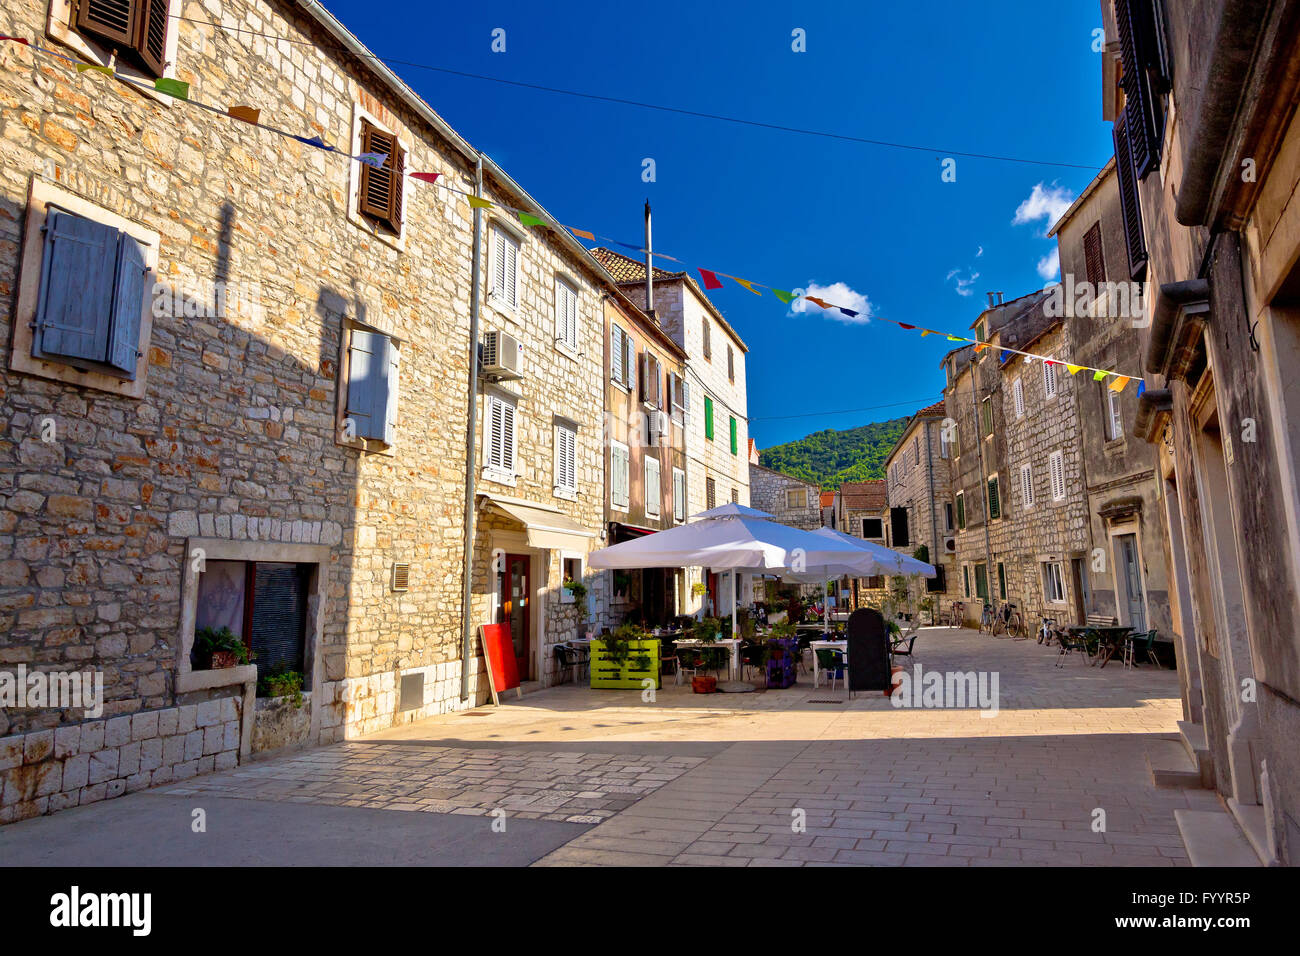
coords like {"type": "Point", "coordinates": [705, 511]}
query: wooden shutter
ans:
{"type": "Point", "coordinates": [708, 345]}
{"type": "Point", "coordinates": [898, 527]}
{"type": "Point", "coordinates": [495, 430]}
{"type": "Point", "coordinates": [1130, 204]}
{"type": "Point", "coordinates": [1056, 467]}
{"type": "Point", "coordinates": [113, 20]}
{"type": "Point", "coordinates": [566, 314]}
{"type": "Point", "coordinates": [1139, 53]}
{"type": "Point", "coordinates": [708, 418]}
{"type": "Point", "coordinates": [369, 369]}
{"type": "Point", "coordinates": [643, 376]}
{"type": "Point", "coordinates": [995, 500]}
{"type": "Point", "coordinates": [679, 494]}
{"type": "Point", "coordinates": [381, 188]}
{"type": "Point", "coordinates": [566, 475]}
{"type": "Point", "coordinates": [961, 512]}
{"type": "Point", "coordinates": [1027, 486]}
{"type": "Point", "coordinates": [618, 479]}
{"type": "Point", "coordinates": [653, 486]}
{"type": "Point", "coordinates": [731, 364]}
{"type": "Point", "coordinates": [710, 493]}
{"type": "Point", "coordinates": [1049, 379]}
{"type": "Point", "coordinates": [128, 306]}
{"type": "Point", "coordinates": [1094, 260]}
{"type": "Point", "coordinates": [499, 263]}
{"type": "Point", "coordinates": [507, 437]}
{"type": "Point", "coordinates": [279, 617]}
{"type": "Point", "coordinates": [735, 446]}
{"type": "Point", "coordinates": [78, 270]}
{"type": "Point", "coordinates": [512, 270]}
{"type": "Point", "coordinates": [153, 25]}
{"type": "Point", "coordinates": [1018, 392]}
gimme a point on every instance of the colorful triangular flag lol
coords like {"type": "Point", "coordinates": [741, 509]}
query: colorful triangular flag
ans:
{"type": "Point", "coordinates": [177, 88]}
{"type": "Point", "coordinates": [956, 338]}
{"type": "Point", "coordinates": [426, 177]}
{"type": "Point", "coordinates": [530, 220]}
{"type": "Point", "coordinates": [786, 297]}
{"type": "Point", "coordinates": [1119, 383]}
{"type": "Point", "coordinates": [710, 279]}
{"type": "Point", "coordinates": [822, 302]}
{"type": "Point", "coordinates": [748, 285]}
{"type": "Point", "coordinates": [925, 332]}
{"type": "Point", "coordinates": [477, 202]}
{"type": "Point", "coordinates": [1072, 369]}
{"type": "Point", "coordinates": [981, 346]}
{"type": "Point", "coordinates": [94, 67]}
{"type": "Point", "coordinates": [849, 312]}
{"type": "Point", "coordinates": [313, 141]}
{"type": "Point", "coordinates": [16, 40]}
{"type": "Point", "coordinates": [904, 325]}
{"type": "Point", "coordinates": [376, 160]}
{"type": "Point", "coordinates": [590, 237]}
{"type": "Point", "coordinates": [1004, 356]}
{"type": "Point", "coordinates": [245, 113]}
{"type": "Point", "coordinates": [1142, 386]}
{"type": "Point", "coordinates": [1098, 376]}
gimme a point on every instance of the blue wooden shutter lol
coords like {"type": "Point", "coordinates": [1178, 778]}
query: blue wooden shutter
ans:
{"type": "Point", "coordinates": [369, 367]}
{"type": "Point", "coordinates": [74, 309]}
{"type": "Point", "coordinates": [128, 304]}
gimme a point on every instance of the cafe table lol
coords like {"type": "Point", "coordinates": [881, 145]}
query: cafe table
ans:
{"type": "Point", "coordinates": [1111, 637]}
{"type": "Point", "coordinates": [731, 643]}
{"type": "Point", "coordinates": [815, 646]}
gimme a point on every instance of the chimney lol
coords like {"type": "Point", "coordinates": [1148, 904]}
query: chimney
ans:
{"type": "Point", "coordinates": [991, 302]}
{"type": "Point", "coordinates": [999, 295]}
{"type": "Point", "coordinates": [649, 267]}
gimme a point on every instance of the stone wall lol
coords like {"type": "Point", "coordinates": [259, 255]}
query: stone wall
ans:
{"type": "Point", "coordinates": [767, 492]}
{"type": "Point", "coordinates": [923, 486]}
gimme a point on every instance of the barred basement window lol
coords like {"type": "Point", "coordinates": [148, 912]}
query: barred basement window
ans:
{"type": "Point", "coordinates": [135, 29]}
{"type": "Point", "coordinates": [381, 188]}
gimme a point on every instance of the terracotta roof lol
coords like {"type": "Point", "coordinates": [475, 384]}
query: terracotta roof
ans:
{"type": "Point", "coordinates": [827, 499]}
{"type": "Point", "coordinates": [626, 269]}
{"type": "Point", "coordinates": [936, 409]}
{"type": "Point", "coordinates": [864, 495]}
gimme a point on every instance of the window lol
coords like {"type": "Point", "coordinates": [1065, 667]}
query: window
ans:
{"type": "Point", "coordinates": [618, 475]}
{"type": "Point", "coordinates": [263, 602]}
{"type": "Point", "coordinates": [1143, 78]}
{"type": "Point", "coordinates": [505, 268]}
{"type": "Point", "coordinates": [1026, 486]}
{"type": "Point", "coordinates": [735, 496]}
{"type": "Point", "coordinates": [1114, 419]}
{"type": "Point", "coordinates": [796, 499]}
{"type": "Point", "coordinates": [986, 417]}
{"type": "Point", "coordinates": [137, 29]}
{"type": "Point", "coordinates": [649, 378]}
{"type": "Point", "coordinates": [1049, 379]}
{"type": "Point", "coordinates": [707, 341]}
{"type": "Point", "coordinates": [620, 356]}
{"type": "Point", "coordinates": [982, 581]}
{"type": "Point", "coordinates": [735, 439]}
{"type": "Point", "coordinates": [499, 439]}
{"type": "Point", "coordinates": [965, 576]}
{"type": "Point", "coordinates": [566, 314]}
{"type": "Point", "coordinates": [945, 446]}
{"type": "Point", "coordinates": [1002, 581]}
{"type": "Point", "coordinates": [1053, 583]}
{"type": "Point", "coordinates": [1093, 260]}
{"type": "Point", "coordinates": [731, 365]}
{"type": "Point", "coordinates": [679, 495]}
{"type": "Point", "coordinates": [653, 487]}
{"type": "Point", "coordinates": [947, 516]}
{"type": "Point", "coordinates": [710, 493]}
{"type": "Point", "coordinates": [373, 368]}
{"type": "Point", "coordinates": [677, 396]}
{"type": "Point", "coordinates": [979, 331]}
{"type": "Point", "coordinates": [708, 418]}
{"type": "Point", "coordinates": [1018, 391]}
{"type": "Point", "coordinates": [566, 461]}
{"type": "Point", "coordinates": [961, 510]}
{"type": "Point", "coordinates": [1130, 204]}
{"type": "Point", "coordinates": [380, 197]}
{"type": "Point", "coordinates": [572, 572]}
{"type": "Point", "coordinates": [1056, 474]}
{"type": "Point", "coordinates": [91, 300]}
{"type": "Point", "coordinates": [873, 528]}
{"type": "Point", "coordinates": [898, 527]}
{"type": "Point", "coordinates": [875, 582]}
{"type": "Point", "coordinates": [995, 499]}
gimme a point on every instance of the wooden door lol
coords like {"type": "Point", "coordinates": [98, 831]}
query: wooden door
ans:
{"type": "Point", "coordinates": [516, 609]}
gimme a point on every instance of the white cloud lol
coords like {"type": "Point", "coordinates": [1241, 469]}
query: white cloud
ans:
{"type": "Point", "coordinates": [979, 252]}
{"type": "Point", "coordinates": [1050, 265]}
{"type": "Point", "coordinates": [962, 282]}
{"type": "Point", "coordinates": [837, 294]}
{"type": "Point", "coordinates": [1044, 202]}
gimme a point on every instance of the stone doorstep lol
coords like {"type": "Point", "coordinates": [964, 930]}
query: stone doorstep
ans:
{"type": "Point", "coordinates": [1198, 749]}
{"type": "Point", "coordinates": [1212, 838]}
{"type": "Point", "coordinates": [1253, 823]}
{"type": "Point", "coordinates": [1170, 766]}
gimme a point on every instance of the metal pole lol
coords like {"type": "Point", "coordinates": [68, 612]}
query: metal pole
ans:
{"type": "Point", "coordinates": [471, 434]}
{"type": "Point", "coordinates": [649, 267]}
{"type": "Point", "coordinates": [984, 487]}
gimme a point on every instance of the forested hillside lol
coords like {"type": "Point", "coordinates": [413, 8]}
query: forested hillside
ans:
{"type": "Point", "coordinates": [832, 457]}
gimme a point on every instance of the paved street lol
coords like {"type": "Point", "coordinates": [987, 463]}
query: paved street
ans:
{"type": "Point", "coordinates": [792, 777]}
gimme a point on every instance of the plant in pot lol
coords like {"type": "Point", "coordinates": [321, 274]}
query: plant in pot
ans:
{"type": "Point", "coordinates": [282, 684]}
{"type": "Point", "coordinates": [220, 647]}
{"type": "Point", "coordinates": [578, 590]}
{"type": "Point", "coordinates": [927, 605]}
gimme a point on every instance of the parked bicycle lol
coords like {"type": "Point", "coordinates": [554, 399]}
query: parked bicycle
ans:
{"type": "Point", "coordinates": [956, 614]}
{"type": "Point", "coordinates": [1008, 620]}
{"type": "Point", "coordinates": [987, 616]}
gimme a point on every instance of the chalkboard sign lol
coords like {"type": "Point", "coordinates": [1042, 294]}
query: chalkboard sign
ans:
{"type": "Point", "coordinates": [868, 651]}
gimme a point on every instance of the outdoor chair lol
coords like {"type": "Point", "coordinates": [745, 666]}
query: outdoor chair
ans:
{"type": "Point", "coordinates": [667, 656]}
{"type": "Point", "coordinates": [1069, 643]}
{"type": "Point", "coordinates": [752, 655]}
{"type": "Point", "coordinates": [832, 662]}
{"type": "Point", "coordinates": [902, 646]}
{"type": "Point", "coordinates": [1140, 643]}
{"type": "Point", "coordinates": [568, 657]}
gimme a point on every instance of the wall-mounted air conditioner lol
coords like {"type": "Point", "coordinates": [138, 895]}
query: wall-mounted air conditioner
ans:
{"type": "Point", "coordinates": [503, 356]}
{"type": "Point", "coordinates": [949, 545]}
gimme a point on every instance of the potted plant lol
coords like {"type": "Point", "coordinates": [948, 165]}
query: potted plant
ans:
{"type": "Point", "coordinates": [578, 590]}
{"type": "Point", "coordinates": [220, 647]}
{"type": "Point", "coordinates": [282, 684]}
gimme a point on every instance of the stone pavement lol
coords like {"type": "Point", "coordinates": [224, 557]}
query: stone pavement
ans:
{"type": "Point", "coordinates": [790, 777]}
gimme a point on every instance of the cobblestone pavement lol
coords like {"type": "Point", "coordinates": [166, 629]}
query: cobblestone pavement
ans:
{"type": "Point", "coordinates": [800, 776]}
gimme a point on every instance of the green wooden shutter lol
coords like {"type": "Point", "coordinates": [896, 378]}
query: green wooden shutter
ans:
{"type": "Point", "coordinates": [734, 447]}
{"type": "Point", "coordinates": [995, 501]}
{"type": "Point", "coordinates": [708, 418]}
{"type": "Point", "coordinates": [961, 512]}
{"type": "Point", "coordinates": [74, 308]}
{"type": "Point", "coordinates": [128, 305]}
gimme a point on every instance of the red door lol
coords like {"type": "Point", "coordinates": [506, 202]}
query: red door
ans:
{"type": "Point", "coordinates": [514, 591]}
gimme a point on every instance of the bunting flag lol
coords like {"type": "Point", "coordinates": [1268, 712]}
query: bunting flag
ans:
{"type": "Point", "coordinates": [628, 245]}
{"type": "Point", "coordinates": [177, 88]}
{"type": "Point", "coordinates": [477, 203]}
{"type": "Point", "coordinates": [15, 39]}
{"type": "Point", "coordinates": [1098, 375]}
{"type": "Point", "coordinates": [1073, 369]}
{"type": "Point", "coordinates": [822, 302]}
{"type": "Point", "coordinates": [981, 346]}
{"type": "Point", "coordinates": [904, 325]}
{"type": "Point", "coordinates": [376, 160]}
{"type": "Point", "coordinates": [426, 177]}
{"type": "Point", "coordinates": [849, 312]}
{"type": "Point", "coordinates": [1142, 387]}
{"type": "Point", "coordinates": [84, 67]}
{"type": "Point", "coordinates": [748, 285]}
{"type": "Point", "coordinates": [925, 332]}
{"type": "Point", "coordinates": [710, 279]}
{"type": "Point", "coordinates": [1004, 356]}
{"type": "Point", "coordinates": [584, 234]}
{"type": "Point", "coordinates": [786, 297]}
{"type": "Point", "coordinates": [245, 113]}
{"type": "Point", "coordinates": [955, 338]}
{"type": "Point", "coordinates": [531, 220]}
{"type": "Point", "coordinates": [314, 141]}
{"type": "Point", "coordinates": [1119, 383]}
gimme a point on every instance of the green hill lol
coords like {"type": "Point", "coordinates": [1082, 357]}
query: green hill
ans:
{"type": "Point", "coordinates": [832, 457]}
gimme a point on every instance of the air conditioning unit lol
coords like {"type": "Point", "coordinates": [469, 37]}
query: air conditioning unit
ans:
{"type": "Point", "coordinates": [657, 423]}
{"type": "Point", "coordinates": [949, 545]}
{"type": "Point", "coordinates": [503, 356]}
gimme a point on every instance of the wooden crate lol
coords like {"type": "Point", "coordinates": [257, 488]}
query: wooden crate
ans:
{"type": "Point", "coordinates": [606, 674]}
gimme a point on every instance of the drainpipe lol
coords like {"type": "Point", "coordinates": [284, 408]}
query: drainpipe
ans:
{"type": "Point", "coordinates": [649, 269]}
{"type": "Point", "coordinates": [984, 483]}
{"type": "Point", "coordinates": [471, 434]}
{"type": "Point", "coordinates": [929, 473]}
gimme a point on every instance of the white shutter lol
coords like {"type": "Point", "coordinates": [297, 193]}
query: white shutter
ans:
{"type": "Point", "coordinates": [618, 479]}
{"type": "Point", "coordinates": [495, 455]}
{"type": "Point", "coordinates": [1056, 464]}
{"type": "Point", "coordinates": [390, 423]}
{"type": "Point", "coordinates": [653, 488]}
{"type": "Point", "coordinates": [512, 272]}
{"type": "Point", "coordinates": [1116, 419]}
{"type": "Point", "coordinates": [1027, 486]}
{"type": "Point", "coordinates": [679, 494]}
{"type": "Point", "coordinates": [566, 470]}
{"type": "Point", "coordinates": [616, 353]}
{"type": "Point", "coordinates": [566, 314]}
{"type": "Point", "coordinates": [498, 263]}
{"type": "Point", "coordinates": [1018, 390]}
{"type": "Point", "coordinates": [1049, 379]}
{"type": "Point", "coordinates": [508, 437]}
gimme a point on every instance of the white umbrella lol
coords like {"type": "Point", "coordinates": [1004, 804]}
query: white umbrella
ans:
{"type": "Point", "coordinates": [888, 562]}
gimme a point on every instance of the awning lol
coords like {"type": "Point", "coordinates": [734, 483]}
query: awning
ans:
{"type": "Point", "coordinates": [545, 528]}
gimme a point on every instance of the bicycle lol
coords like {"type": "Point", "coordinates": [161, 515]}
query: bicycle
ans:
{"type": "Point", "coordinates": [1008, 619]}
{"type": "Point", "coordinates": [986, 618]}
{"type": "Point", "coordinates": [956, 613]}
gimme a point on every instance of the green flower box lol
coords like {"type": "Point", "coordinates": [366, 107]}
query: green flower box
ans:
{"type": "Point", "coordinates": [630, 673]}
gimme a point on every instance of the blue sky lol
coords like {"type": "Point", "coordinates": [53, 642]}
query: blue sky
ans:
{"type": "Point", "coordinates": [1015, 78]}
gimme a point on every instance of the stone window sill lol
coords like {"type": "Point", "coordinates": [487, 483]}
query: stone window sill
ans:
{"type": "Point", "coordinates": [209, 679]}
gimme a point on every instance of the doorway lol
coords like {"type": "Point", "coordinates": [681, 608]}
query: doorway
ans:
{"type": "Point", "coordinates": [1129, 575]}
{"type": "Point", "coordinates": [513, 587]}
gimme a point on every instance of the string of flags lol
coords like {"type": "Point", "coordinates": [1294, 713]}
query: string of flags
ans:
{"type": "Point", "coordinates": [710, 278]}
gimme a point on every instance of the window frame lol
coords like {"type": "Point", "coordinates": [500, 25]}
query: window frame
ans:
{"type": "Point", "coordinates": [679, 503]}
{"type": "Point", "coordinates": [376, 446]}
{"type": "Point", "coordinates": [560, 489]}
{"type": "Point", "coordinates": [1114, 414]}
{"type": "Point", "coordinates": [658, 485]}
{"type": "Point", "coordinates": [361, 116]}
{"type": "Point", "coordinates": [563, 340]}
{"type": "Point", "coordinates": [61, 25]}
{"type": "Point", "coordinates": [493, 471]}
{"type": "Point", "coordinates": [1052, 576]}
{"type": "Point", "coordinates": [616, 447]}
{"type": "Point", "coordinates": [796, 491]}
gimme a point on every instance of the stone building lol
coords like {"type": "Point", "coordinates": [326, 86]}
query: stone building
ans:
{"type": "Point", "coordinates": [1206, 138]}
{"type": "Point", "coordinates": [1124, 576]}
{"type": "Point", "coordinates": [717, 423]}
{"type": "Point", "coordinates": [792, 500]}
{"type": "Point", "coordinates": [862, 510]}
{"type": "Point", "coordinates": [645, 459]}
{"type": "Point", "coordinates": [275, 440]}
{"type": "Point", "coordinates": [919, 495]}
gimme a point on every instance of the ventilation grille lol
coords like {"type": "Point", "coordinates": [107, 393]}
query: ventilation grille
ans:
{"type": "Point", "coordinates": [412, 692]}
{"type": "Point", "coordinates": [401, 577]}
